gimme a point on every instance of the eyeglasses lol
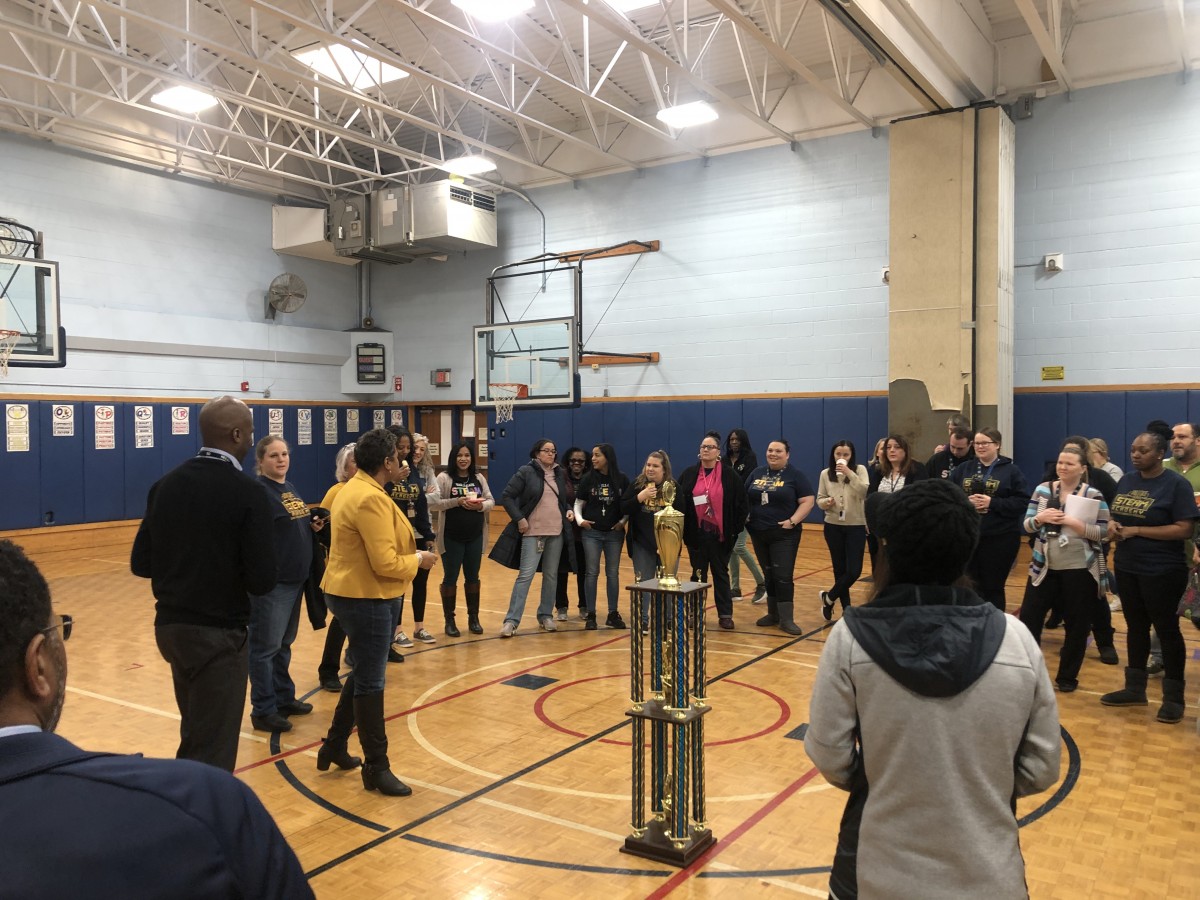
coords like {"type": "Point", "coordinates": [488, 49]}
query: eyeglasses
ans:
{"type": "Point", "coordinates": [709, 447]}
{"type": "Point", "coordinates": [577, 462]}
{"type": "Point", "coordinates": [549, 450]}
{"type": "Point", "coordinates": [983, 443]}
{"type": "Point", "coordinates": [65, 623]}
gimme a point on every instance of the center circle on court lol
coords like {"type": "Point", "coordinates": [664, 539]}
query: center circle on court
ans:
{"type": "Point", "coordinates": [539, 709]}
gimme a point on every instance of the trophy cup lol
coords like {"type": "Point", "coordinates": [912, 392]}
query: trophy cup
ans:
{"type": "Point", "coordinates": [668, 537]}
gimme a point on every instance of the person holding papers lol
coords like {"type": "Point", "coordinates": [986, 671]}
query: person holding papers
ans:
{"type": "Point", "coordinates": [1069, 520]}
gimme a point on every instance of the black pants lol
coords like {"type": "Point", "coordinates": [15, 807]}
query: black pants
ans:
{"type": "Point", "coordinates": [1070, 591]}
{"type": "Point", "coordinates": [1153, 600]}
{"type": "Point", "coordinates": [845, 543]}
{"type": "Point", "coordinates": [209, 669]}
{"type": "Point", "coordinates": [420, 589]}
{"type": "Point", "coordinates": [331, 657]}
{"type": "Point", "coordinates": [710, 558]}
{"type": "Point", "coordinates": [989, 567]}
{"type": "Point", "coordinates": [560, 591]}
{"type": "Point", "coordinates": [776, 551]}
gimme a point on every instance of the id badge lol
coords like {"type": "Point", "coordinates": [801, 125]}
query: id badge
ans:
{"type": "Point", "coordinates": [412, 510]}
{"type": "Point", "coordinates": [841, 515]}
{"type": "Point", "coordinates": [765, 498]}
{"type": "Point", "coordinates": [700, 499]}
{"type": "Point", "coordinates": [541, 545]}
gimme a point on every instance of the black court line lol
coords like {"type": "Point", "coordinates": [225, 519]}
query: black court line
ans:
{"type": "Point", "coordinates": [527, 861]}
{"type": "Point", "coordinates": [1074, 767]}
{"type": "Point", "coordinates": [508, 779]}
{"type": "Point", "coordinates": [1073, 772]}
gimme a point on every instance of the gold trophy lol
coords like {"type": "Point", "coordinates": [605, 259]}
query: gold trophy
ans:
{"type": "Point", "coordinates": [668, 537]}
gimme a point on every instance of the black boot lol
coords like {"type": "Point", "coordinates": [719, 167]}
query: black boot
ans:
{"type": "Point", "coordinates": [338, 755]}
{"type": "Point", "coordinates": [471, 589]}
{"type": "Point", "coordinates": [772, 616]}
{"type": "Point", "coordinates": [1135, 690]}
{"type": "Point", "coordinates": [785, 618]}
{"type": "Point", "coordinates": [333, 746]}
{"type": "Point", "coordinates": [1172, 707]}
{"type": "Point", "coordinates": [372, 733]}
{"type": "Point", "coordinates": [449, 602]}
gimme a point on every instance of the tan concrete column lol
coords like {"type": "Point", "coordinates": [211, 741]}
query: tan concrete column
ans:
{"type": "Point", "coordinates": [950, 319]}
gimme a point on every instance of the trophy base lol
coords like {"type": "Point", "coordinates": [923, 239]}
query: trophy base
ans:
{"type": "Point", "coordinates": [655, 844]}
{"type": "Point", "coordinates": [669, 582]}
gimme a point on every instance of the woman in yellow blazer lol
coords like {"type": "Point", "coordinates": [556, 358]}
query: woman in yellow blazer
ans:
{"type": "Point", "coordinates": [373, 557]}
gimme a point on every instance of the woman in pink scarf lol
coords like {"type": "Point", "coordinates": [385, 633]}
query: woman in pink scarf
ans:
{"type": "Point", "coordinates": [714, 506]}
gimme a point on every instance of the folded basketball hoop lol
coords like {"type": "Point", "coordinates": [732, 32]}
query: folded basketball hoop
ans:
{"type": "Point", "coordinates": [8, 343]}
{"type": "Point", "coordinates": [505, 396]}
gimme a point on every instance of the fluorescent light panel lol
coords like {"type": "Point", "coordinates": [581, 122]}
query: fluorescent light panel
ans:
{"type": "Point", "coordinates": [685, 114]}
{"type": "Point", "coordinates": [184, 99]}
{"type": "Point", "coordinates": [493, 10]}
{"type": "Point", "coordinates": [469, 165]}
{"type": "Point", "coordinates": [340, 63]}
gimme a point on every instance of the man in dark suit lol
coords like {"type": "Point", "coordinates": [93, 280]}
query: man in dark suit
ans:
{"type": "Point", "coordinates": [99, 825]}
{"type": "Point", "coordinates": [205, 544]}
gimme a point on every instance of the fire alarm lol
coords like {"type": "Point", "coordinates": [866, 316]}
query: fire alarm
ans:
{"type": "Point", "coordinates": [439, 377]}
{"type": "Point", "coordinates": [245, 386]}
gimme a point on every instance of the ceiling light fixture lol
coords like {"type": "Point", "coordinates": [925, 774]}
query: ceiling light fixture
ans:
{"type": "Point", "coordinates": [686, 114]}
{"type": "Point", "coordinates": [469, 164]}
{"type": "Point", "coordinates": [493, 10]}
{"type": "Point", "coordinates": [347, 66]}
{"type": "Point", "coordinates": [184, 99]}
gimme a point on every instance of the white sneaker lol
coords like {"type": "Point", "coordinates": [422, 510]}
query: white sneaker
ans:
{"type": "Point", "coordinates": [546, 623]}
{"type": "Point", "coordinates": [561, 615]}
{"type": "Point", "coordinates": [424, 637]}
{"type": "Point", "coordinates": [508, 629]}
{"type": "Point", "coordinates": [402, 640]}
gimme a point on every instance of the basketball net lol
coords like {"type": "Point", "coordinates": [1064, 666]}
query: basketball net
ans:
{"type": "Point", "coordinates": [8, 343]}
{"type": "Point", "coordinates": [505, 397]}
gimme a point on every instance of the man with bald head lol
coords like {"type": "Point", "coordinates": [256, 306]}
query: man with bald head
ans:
{"type": "Point", "coordinates": [205, 544]}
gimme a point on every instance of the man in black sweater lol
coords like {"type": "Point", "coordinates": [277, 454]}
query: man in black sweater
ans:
{"type": "Point", "coordinates": [205, 544]}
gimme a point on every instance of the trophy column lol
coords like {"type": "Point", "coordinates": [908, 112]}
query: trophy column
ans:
{"type": "Point", "coordinates": [676, 831]}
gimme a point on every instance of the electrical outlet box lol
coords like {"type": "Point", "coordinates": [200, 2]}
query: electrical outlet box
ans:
{"type": "Point", "coordinates": [1053, 262]}
{"type": "Point", "coordinates": [886, 275]}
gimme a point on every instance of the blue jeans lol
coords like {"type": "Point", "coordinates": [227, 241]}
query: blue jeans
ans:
{"type": "Point", "coordinates": [609, 543]}
{"type": "Point", "coordinates": [274, 619]}
{"type": "Point", "coordinates": [369, 627]}
{"type": "Point", "coordinates": [531, 555]}
{"type": "Point", "coordinates": [645, 564]}
{"type": "Point", "coordinates": [740, 551]}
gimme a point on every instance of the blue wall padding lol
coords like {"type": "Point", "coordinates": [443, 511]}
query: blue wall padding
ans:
{"type": "Point", "coordinates": [69, 477]}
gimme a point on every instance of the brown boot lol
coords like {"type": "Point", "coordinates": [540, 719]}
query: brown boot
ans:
{"type": "Point", "coordinates": [471, 589]}
{"type": "Point", "coordinates": [449, 602]}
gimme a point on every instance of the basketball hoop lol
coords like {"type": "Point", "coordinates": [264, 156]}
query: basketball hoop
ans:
{"type": "Point", "coordinates": [8, 343]}
{"type": "Point", "coordinates": [505, 395]}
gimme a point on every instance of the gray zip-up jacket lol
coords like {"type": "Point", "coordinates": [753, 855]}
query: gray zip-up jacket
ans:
{"type": "Point", "coordinates": [935, 711]}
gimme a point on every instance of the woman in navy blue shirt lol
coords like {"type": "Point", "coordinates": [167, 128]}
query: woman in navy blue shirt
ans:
{"type": "Point", "coordinates": [780, 498]}
{"type": "Point", "coordinates": [1153, 513]}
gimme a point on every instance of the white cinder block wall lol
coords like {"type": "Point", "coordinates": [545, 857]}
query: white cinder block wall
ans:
{"type": "Point", "coordinates": [768, 277]}
{"type": "Point", "coordinates": [1111, 178]}
{"type": "Point", "coordinates": [148, 262]}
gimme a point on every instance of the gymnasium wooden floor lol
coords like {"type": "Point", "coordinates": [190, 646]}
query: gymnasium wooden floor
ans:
{"type": "Point", "coordinates": [518, 755]}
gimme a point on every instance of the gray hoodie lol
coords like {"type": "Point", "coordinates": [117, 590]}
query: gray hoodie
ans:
{"type": "Point", "coordinates": [935, 711]}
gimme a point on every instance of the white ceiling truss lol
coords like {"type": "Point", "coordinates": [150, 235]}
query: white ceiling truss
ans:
{"type": "Point", "coordinates": [565, 91]}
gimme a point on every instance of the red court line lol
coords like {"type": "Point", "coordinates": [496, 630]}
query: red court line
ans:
{"type": "Point", "coordinates": [550, 662]}
{"type": "Point", "coordinates": [726, 842]}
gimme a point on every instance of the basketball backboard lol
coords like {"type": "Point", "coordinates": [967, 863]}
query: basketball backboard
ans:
{"type": "Point", "coordinates": [29, 305]}
{"type": "Point", "coordinates": [537, 360]}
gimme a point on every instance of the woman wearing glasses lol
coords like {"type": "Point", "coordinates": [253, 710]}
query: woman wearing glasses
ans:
{"type": "Point", "coordinates": [535, 499]}
{"type": "Point", "coordinates": [713, 501]}
{"type": "Point", "coordinates": [1000, 494]}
